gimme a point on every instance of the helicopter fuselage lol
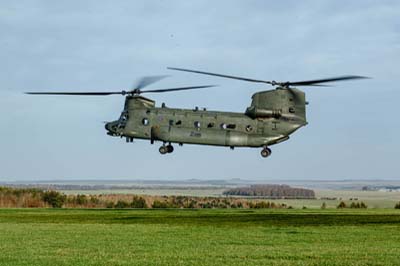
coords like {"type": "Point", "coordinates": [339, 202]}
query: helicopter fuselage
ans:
{"type": "Point", "coordinates": [257, 127]}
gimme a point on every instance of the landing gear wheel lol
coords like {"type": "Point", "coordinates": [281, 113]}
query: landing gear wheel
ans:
{"type": "Point", "coordinates": [266, 152]}
{"type": "Point", "coordinates": [170, 148]}
{"type": "Point", "coordinates": [163, 149]}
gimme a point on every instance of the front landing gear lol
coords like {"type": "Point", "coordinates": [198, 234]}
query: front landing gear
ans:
{"type": "Point", "coordinates": [265, 152]}
{"type": "Point", "coordinates": [166, 149]}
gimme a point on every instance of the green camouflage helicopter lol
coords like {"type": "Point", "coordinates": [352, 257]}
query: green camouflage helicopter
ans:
{"type": "Point", "coordinates": [272, 116]}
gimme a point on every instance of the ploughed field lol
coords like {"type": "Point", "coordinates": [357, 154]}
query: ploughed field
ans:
{"type": "Point", "coordinates": [199, 237]}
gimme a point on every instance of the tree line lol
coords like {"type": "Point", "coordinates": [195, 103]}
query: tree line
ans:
{"type": "Point", "coordinates": [272, 191]}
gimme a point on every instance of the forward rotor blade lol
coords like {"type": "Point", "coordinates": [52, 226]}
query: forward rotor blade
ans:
{"type": "Point", "coordinates": [220, 75]}
{"type": "Point", "coordinates": [179, 89]}
{"type": "Point", "coordinates": [77, 93]}
{"type": "Point", "coordinates": [315, 82]}
{"type": "Point", "coordinates": [145, 81]}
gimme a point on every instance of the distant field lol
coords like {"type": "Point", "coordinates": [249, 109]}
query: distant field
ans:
{"type": "Point", "coordinates": [200, 192]}
{"type": "Point", "coordinates": [199, 237]}
{"type": "Point", "coordinates": [374, 199]}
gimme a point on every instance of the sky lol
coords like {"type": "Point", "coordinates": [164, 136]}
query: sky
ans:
{"type": "Point", "coordinates": [107, 45]}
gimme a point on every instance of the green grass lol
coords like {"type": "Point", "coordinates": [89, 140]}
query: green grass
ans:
{"type": "Point", "coordinates": [199, 237]}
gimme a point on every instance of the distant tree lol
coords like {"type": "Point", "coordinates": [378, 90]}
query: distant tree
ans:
{"type": "Point", "coordinates": [54, 198]}
{"type": "Point", "coordinates": [272, 191]}
{"type": "Point", "coordinates": [323, 206]}
{"type": "Point", "coordinates": [261, 205]}
{"type": "Point", "coordinates": [397, 206]}
{"type": "Point", "coordinates": [191, 204]}
{"type": "Point", "coordinates": [358, 205]}
{"type": "Point", "coordinates": [354, 205]}
{"type": "Point", "coordinates": [109, 204]}
{"type": "Point", "coordinates": [94, 200]}
{"type": "Point", "coordinates": [342, 205]}
{"type": "Point", "coordinates": [159, 204]}
{"type": "Point", "coordinates": [121, 204]}
{"type": "Point", "coordinates": [81, 199]}
{"type": "Point", "coordinates": [138, 202]}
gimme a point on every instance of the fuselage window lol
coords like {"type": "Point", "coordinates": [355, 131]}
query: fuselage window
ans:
{"type": "Point", "coordinates": [197, 124]}
{"type": "Point", "coordinates": [249, 128]}
{"type": "Point", "coordinates": [145, 121]}
{"type": "Point", "coordinates": [171, 122]}
{"type": "Point", "coordinates": [210, 125]}
{"type": "Point", "coordinates": [179, 122]}
{"type": "Point", "coordinates": [228, 126]}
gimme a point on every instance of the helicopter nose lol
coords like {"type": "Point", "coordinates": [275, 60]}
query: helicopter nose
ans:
{"type": "Point", "coordinates": [108, 126]}
{"type": "Point", "coordinates": [111, 129]}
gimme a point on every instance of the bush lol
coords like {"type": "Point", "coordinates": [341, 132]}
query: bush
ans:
{"type": "Point", "coordinates": [138, 202]}
{"type": "Point", "coordinates": [354, 205]}
{"type": "Point", "coordinates": [260, 205]}
{"type": "Point", "coordinates": [121, 204]}
{"type": "Point", "coordinates": [81, 199]}
{"type": "Point", "coordinates": [358, 205]}
{"type": "Point", "coordinates": [54, 198]}
{"type": "Point", "coordinates": [109, 205]}
{"type": "Point", "coordinates": [159, 205]}
{"type": "Point", "coordinates": [397, 206]}
{"type": "Point", "coordinates": [265, 205]}
{"type": "Point", "coordinates": [191, 204]}
{"type": "Point", "coordinates": [94, 200]}
{"type": "Point", "coordinates": [342, 205]}
{"type": "Point", "coordinates": [323, 206]}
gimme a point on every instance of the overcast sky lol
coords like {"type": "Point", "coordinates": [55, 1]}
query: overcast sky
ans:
{"type": "Point", "coordinates": [353, 130]}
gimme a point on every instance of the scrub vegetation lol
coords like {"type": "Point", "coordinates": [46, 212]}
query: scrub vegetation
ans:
{"type": "Point", "coordinates": [31, 198]}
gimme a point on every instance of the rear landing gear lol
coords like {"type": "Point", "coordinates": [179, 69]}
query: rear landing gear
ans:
{"type": "Point", "coordinates": [170, 148]}
{"type": "Point", "coordinates": [265, 152]}
{"type": "Point", "coordinates": [163, 149]}
{"type": "Point", "coordinates": [166, 149]}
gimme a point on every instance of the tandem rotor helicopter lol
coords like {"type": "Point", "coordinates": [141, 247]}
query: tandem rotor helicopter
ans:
{"type": "Point", "coordinates": [272, 116]}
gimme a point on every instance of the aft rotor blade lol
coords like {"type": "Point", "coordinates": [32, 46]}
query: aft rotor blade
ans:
{"type": "Point", "coordinates": [78, 93]}
{"type": "Point", "coordinates": [179, 89]}
{"type": "Point", "coordinates": [145, 81]}
{"type": "Point", "coordinates": [315, 82]}
{"type": "Point", "coordinates": [220, 75]}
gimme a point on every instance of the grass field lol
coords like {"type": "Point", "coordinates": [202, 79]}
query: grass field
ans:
{"type": "Point", "coordinates": [199, 237]}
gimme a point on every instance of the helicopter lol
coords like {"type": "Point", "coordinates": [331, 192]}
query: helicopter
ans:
{"type": "Point", "coordinates": [271, 118]}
